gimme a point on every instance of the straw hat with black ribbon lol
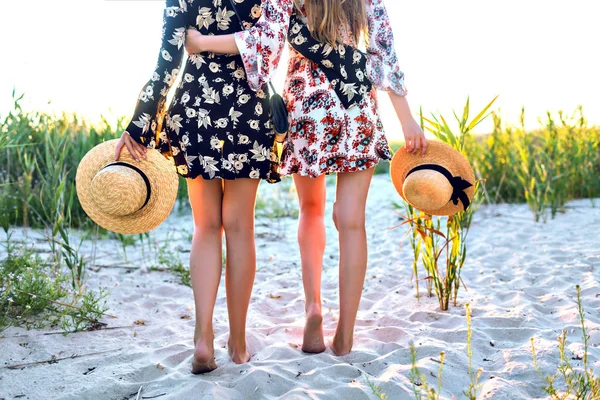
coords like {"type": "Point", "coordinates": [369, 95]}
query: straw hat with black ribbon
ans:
{"type": "Point", "coordinates": [126, 196]}
{"type": "Point", "coordinates": [441, 182]}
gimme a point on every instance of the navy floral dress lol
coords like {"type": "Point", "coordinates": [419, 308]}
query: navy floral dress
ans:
{"type": "Point", "coordinates": [218, 124]}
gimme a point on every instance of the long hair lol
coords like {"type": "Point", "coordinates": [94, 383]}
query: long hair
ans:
{"type": "Point", "coordinates": [325, 17]}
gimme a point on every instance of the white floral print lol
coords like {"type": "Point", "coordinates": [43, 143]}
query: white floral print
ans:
{"type": "Point", "coordinates": [217, 125]}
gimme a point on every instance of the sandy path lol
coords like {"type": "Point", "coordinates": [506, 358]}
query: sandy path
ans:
{"type": "Point", "coordinates": [521, 279]}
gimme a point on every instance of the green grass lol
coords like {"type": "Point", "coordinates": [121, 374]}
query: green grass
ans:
{"type": "Point", "coordinates": [569, 382]}
{"type": "Point", "coordinates": [167, 259]}
{"type": "Point", "coordinates": [35, 293]}
{"type": "Point", "coordinates": [545, 168]}
{"type": "Point", "coordinates": [39, 154]}
{"type": "Point", "coordinates": [278, 202]}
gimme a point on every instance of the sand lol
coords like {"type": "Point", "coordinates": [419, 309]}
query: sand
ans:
{"type": "Point", "coordinates": [520, 275]}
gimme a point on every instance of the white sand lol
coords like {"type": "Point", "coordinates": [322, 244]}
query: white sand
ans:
{"type": "Point", "coordinates": [521, 279]}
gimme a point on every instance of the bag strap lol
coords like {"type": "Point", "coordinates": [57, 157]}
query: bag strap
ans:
{"type": "Point", "coordinates": [237, 14]}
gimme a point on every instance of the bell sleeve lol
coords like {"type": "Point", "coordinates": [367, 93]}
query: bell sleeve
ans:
{"type": "Point", "coordinates": [383, 68]}
{"type": "Point", "coordinates": [151, 101]}
{"type": "Point", "coordinates": [261, 46]}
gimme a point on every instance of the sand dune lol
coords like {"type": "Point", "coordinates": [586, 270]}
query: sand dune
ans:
{"type": "Point", "coordinates": [521, 279]}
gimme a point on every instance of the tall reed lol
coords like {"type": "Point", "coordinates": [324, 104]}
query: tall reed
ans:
{"type": "Point", "coordinates": [430, 243]}
{"type": "Point", "coordinates": [544, 168]}
{"type": "Point", "coordinates": [43, 148]}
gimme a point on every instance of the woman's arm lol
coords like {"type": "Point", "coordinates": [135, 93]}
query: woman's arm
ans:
{"type": "Point", "coordinates": [141, 131]}
{"type": "Point", "coordinates": [260, 46]}
{"type": "Point", "coordinates": [195, 42]}
{"type": "Point", "coordinates": [384, 71]}
{"type": "Point", "coordinates": [414, 137]}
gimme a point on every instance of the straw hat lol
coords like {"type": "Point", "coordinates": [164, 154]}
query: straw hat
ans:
{"type": "Point", "coordinates": [127, 196]}
{"type": "Point", "coordinates": [440, 183]}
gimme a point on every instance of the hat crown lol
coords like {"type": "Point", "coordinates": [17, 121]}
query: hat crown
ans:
{"type": "Point", "coordinates": [450, 182]}
{"type": "Point", "coordinates": [119, 190]}
{"type": "Point", "coordinates": [427, 190]}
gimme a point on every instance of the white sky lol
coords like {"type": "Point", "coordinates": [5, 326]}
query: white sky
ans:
{"type": "Point", "coordinates": [93, 56]}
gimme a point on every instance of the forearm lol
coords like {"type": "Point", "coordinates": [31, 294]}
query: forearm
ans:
{"type": "Point", "coordinates": [221, 44]}
{"type": "Point", "coordinates": [401, 107]}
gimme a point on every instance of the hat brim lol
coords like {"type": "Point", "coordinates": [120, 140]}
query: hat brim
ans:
{"type": "Point", "coordinates": [440, 154]}
{"type": "Point", "coordinates": [163, 180]}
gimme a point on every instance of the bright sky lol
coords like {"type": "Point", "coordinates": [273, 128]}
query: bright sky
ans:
{"type": "Point", "coordinates": [93, 56]}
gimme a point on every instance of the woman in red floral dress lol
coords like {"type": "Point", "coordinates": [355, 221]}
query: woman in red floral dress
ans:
{"type": "Point", "coordinates": [335, 128]}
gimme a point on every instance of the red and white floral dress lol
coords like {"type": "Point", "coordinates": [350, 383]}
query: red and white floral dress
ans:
{"type": "Point", "coordinates": [324, 136]}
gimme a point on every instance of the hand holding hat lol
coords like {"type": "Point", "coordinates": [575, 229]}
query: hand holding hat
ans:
{"type": "Point", "coordinates": [136, 150]}
{"type": "Point", "coordinates": [440, 182]}
{"type": "Point", "coordinates": [129, 196]}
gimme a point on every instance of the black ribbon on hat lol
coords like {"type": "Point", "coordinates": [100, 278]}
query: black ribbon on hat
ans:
{"type": "Point", "coordinates": [458, 184]}
{"type": "Point", "coordinates": [142, 174]}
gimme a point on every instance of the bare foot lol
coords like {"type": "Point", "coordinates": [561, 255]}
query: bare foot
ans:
{"type": "Point", "coordinates": [340, 345]}
{"type": "Point", "coordinates": [238, 353]}
{"type": "Point", "coordinates": [313, 331]}
{"type": "Point", "coordinates": [204, 358]}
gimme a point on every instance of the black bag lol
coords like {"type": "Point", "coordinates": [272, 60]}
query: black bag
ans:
{"type": "Point", "coordinates": [279, 113]}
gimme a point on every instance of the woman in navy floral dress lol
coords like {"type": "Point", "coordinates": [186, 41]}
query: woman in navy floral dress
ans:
{"type": "Point", "coordinates": [218, 132]}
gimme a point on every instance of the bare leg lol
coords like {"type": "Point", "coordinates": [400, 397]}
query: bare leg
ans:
{"type": "Point", "coordinates": [205, 266]}
{"type": "Point", "coordinates": [351, 198]}
{"type": "Point", "coordinates": [238, 221]}
{"type": "Point", "coordinates": [311, 238]}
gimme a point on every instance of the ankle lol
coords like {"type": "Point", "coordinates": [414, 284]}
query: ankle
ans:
{"type": "Point", "coordinates": [343, 337]}
{"type": "Point", "coordinates": [204, 335]}
{"type": "Point", "coordinates": [313, 307]}
{"type": "Point", "coordinates": [237, 343]}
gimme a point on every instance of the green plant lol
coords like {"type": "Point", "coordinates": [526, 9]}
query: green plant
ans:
{"type": "Point", "coordinates": [39, 154]}
{"type": "Point", "coordinates": [544, 168]}
{"type": "Point", "coordinates": [427, 240]}
{"type": "Point", "coordinates": [471, 392]}
{"type": "Point", "coordinates": [36, 294]}
{"type": "Point", "coordinates": [576, 383]}
{"type": "Point", "coordinates": [280, 203]}
{"type": "Point", "coordinates": [168, 260]}
{"type": "Point", "coordinates": [415, 244]}
{"type": "Point", "coordinates": [126, 241]}
{"type": "Point", "coordinates": [376, 390]}
{"type": "Point", "coordinates": [421, 388]}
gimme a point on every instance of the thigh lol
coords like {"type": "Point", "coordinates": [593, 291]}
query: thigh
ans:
{"type": "Point", "coordinates": [351, 195]}
{"type": "Point", "coordinates": [206, 197]}
{"type": "Point", "coordinates": [239, 197]}
{"type": "Point", "coordinates": [311, 192]}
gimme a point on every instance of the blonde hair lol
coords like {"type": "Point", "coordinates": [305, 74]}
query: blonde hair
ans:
{"type": "Point", "coordinates": [326, 16]}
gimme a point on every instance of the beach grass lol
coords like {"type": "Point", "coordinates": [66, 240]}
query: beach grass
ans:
{"type": "Point", "coordinates": [569, 382]}
{"type": "Point", "coordinates": [37, 293]}
{"type": "Point", "coordinates": [421, 387]}
{"type": "Point", "coordinates": [39, 155]}
{"type": "Point", "coordinates": [545, 168]}
{"type": "Point", "coordinates": [427, 238]}
{"type": "Point", "coordinates": [168, 260]}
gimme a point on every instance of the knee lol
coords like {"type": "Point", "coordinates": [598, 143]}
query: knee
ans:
{"type": "Point", "coordinates": [312, 208]}
{"type": "Point", "coordinates": [348, 220]}
{"type": "Point", "coordinates": [235, 223]}
{"type": "Point", "coordinates": [208, 224]}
